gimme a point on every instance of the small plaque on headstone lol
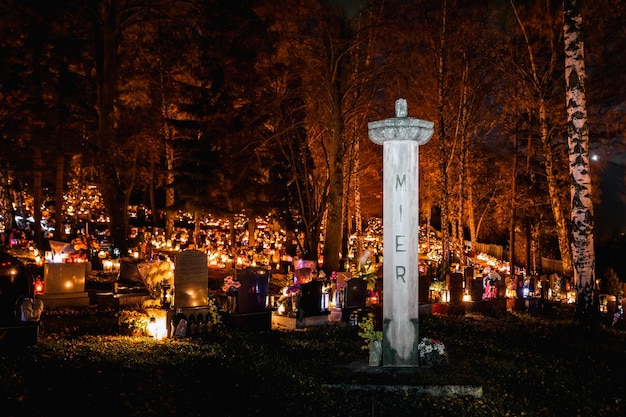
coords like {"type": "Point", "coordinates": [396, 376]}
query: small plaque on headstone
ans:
{"type": "Point", "coordinates": [191, 279]}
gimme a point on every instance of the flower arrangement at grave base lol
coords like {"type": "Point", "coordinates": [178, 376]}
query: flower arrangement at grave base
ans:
{"type": "Point", "coordinates": [436, 291]}
{"type": "Point", "coordinates": [432, 352]}
{"type": "Point", "coordinates": [213, 317]}
{"type": "Point", "coordinates": [329, 284]}
{"type": "Point", "coordinates": [230, 287]}
{"type": "Point", "coordinates": [288, 301]}
{"type": "Point", "coordinates": [133, 322]}
{"type": "Point", "coordinates": [160, 275]}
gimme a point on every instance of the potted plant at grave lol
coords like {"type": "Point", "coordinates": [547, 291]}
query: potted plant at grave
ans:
{"type": "Point", "coordinates": [133, 322]}
{"type": "Point", "coordinates": [372, 339]}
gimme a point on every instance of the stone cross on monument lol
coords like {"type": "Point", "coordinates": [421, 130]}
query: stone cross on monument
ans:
{"type": "Point", "coordinates": [400, 137]}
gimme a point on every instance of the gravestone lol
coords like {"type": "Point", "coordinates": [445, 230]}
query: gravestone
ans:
{"type": "Point", "coordinates": [400, 137]}
{"type": "Point", "coordinates": [304, 270]}
{"type": "Point", "coordinates": [252, 312]}
{"type": "Point", "coordinates": [130, 274]}
{"type": "Point", "coordinates": [456, 287]}
{"type": "Point", "coordinates": [64, 285]}
{"type": "Point", "coordinates": [477, 290]}
{"type": "Point", "coordinates": [191, 279]}
{"type": "Point", "coordinates": [311, 299]}
{"type": "Point", "coordinates": [340, 286]}
{"type": "Point", "coordinates": [355, 300]}
{"type": "Point", "coordinates": [468, 272]}
{"type": "Point", "coordinates": [424, 288]}
{"type": "Point", "coordinates": [355, 293]}
{"type": "Point", "coordinates": [252, 295]}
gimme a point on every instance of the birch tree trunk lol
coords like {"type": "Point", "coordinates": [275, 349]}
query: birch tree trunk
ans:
{"type": "Point", "coordinates": [581, 217]}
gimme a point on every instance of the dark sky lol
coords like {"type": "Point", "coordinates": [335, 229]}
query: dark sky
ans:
{"type": "Point", "coordinates": [611, 215]}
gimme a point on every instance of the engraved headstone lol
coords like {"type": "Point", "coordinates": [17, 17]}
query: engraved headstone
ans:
{"type": "Point", "coordinates": [191, 279]}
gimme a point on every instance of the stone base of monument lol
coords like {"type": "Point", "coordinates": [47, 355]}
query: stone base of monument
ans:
{"type": "Point", "coordinates": [116, 301]}
{"type": "Point", "coordinates": [396, 380]}
{"type": "Point", "coordinates": [19, 335]}
{"type": "Point", "coordinates": [65, 299]}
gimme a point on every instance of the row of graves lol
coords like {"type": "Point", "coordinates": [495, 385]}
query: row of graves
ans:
{"type": "Point", "coordinates": [315, 300]}
{"type": "Point", "coordinates": [486, 291]}
{"type": "Point", "coordinates": [186, 306]}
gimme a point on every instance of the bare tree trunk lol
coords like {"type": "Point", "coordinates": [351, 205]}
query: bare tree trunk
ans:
{"type": "Point", "coordinates": [553, 186]}
{"type": "Point", "coordinates": [462, 158]}
{"type": "Point", "coordinates": [251, 230]}
{"type": "Point", "coordinates": [332, 242]}
{"type": "Point", "coordinates": [59, 231]}
{"type": "Point", "coordinates": [471, 221]}
{"type": "Point", "coordinates": [555, 192]}
{"type": "Point", "coordinates": [37, 177]}
{"type": "Point", "coordinates": [170, 197]}
{"type": "Point", "coordinates": [443, 149]}
{"type": "Point", "coordinates": [513, 206]}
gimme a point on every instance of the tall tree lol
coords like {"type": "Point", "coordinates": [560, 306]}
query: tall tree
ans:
{"type": "Point", "coordinates": [581, 217]}
{"type": "Point", "coordinates": [540, 41]}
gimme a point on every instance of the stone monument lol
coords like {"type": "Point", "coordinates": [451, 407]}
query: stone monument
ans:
{"type": "Point", "coordinates": [400, 137]}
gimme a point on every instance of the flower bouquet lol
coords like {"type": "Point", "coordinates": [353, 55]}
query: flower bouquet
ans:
{"type": "Point", "coordinates": [230, 286]}
{"type": "Point", "coordinates": [432, 352]}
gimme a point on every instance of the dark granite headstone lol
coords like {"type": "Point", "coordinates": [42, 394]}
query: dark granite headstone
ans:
{"type": "Point", "coordinates": [355, 293]}
{"type": "Point", "coordinates": [477, 289]}
{"type": "Point", "coordinates": [251, 296]}
{"type": "Point", "coordinates": [191, 279]}
{"type": "Point", "coordinates": [456, 287]}
{"type": "Point", "coordinates": [424, 288]}
{"type": "Point", "coordinates": [311, 298]}
{"type": "Point", "coordinates": [468, 273]}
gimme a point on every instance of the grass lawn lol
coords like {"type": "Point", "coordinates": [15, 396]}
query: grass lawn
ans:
{"type": "Point", "coordinates": [527, 366]}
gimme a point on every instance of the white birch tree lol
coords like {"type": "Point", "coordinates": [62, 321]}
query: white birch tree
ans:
{"type": "Point", "coordinates": [581, 218]}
